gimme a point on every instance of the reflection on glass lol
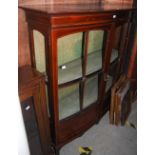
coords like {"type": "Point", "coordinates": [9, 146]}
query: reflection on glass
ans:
{"type": "Point", "coordinates": [109, 83]}
{"type": "Point", "coordinates": [39, 48]}
{"type": "Point", "coordinates": [69, 102]}
{"type": "Point", "coordinates": [114, 55]}
{"type": "Point", "coordinates": [90, 91]}
{"type": "Point", "coordinates": [69, 57]}
{"type": "Point", "coordinates": [95, 49]}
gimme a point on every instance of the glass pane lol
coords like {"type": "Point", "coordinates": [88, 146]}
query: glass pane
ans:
{"type": "Point", "coordinates": [90, 91]}
{"type": "Point", "coordinates": [114, 58]}
{"type": "Point", "coordinates": [95, 49]}
{"type": "Point", "coordinates": [109, 83]}
{"type": "Point", "coordinates": [39, 48]}
{"type": "Point", "coordinates": [117, 43]}
{"type": "Point", "coordinates": [69, 101]}
{"type": "Point", "coordinates": [114, 55]}
{"type": "Point", "coordinates": [69, 57]}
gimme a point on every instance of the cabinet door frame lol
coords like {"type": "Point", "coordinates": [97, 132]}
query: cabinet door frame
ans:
{"type": "Point", "coordinates": [60, 32]}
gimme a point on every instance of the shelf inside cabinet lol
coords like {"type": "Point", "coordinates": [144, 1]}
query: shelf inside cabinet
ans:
{"type": "Point", "coordinates": [69, 101]}
{"type": "Point", "coordinates": [69, 57]}
{"type": "Point", "coordinates": [90, 91]}
{"type": "Point", "coordinates": [94, 62]}
{"type": "Point", "coordinates": [71, 71]}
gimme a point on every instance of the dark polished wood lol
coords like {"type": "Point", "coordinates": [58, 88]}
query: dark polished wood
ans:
{"type": "Point", "coordinates": [78, 8]}
{"type": "Point", "coordinates": [80, 123]}
{"type": "Point", "coordinates": [34, 2]}
{"type": "Point", "coordinates": [31, 85]}
{"type": "Point", "coordinates": [55, 21]}
{"type": "Point", "coordinates": [132, 69]}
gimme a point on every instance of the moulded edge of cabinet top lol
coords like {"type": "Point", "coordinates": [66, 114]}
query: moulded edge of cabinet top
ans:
{"type": "Point", "coordinates": [57, 9]}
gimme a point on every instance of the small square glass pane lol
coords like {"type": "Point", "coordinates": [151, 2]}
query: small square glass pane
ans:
{"type": "Point", "coordinates": [90, 91]}
{"type": "Point", "coordinates": [70, 57]}
{"type": "Point", "coordinates": [95, 50]}
{"type": "Point", "coordinates": [69, 101]}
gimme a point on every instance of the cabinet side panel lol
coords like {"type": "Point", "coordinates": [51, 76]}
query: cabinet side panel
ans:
{"type": "Point", "coordinates": [23, 37]}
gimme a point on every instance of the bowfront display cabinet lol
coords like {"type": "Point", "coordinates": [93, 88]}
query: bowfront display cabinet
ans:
{"type": "Point", "coordinates": [80, 50]}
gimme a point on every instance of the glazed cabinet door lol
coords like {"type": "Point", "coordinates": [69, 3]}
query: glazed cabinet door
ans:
{"type": "Point", "coordinates": [80, 56]}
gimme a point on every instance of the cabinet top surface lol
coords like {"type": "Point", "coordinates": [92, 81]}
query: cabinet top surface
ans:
{"type": "Point", "coordinates": [27, 75]}
{"type": "Point", "coordinates": [77, 9]}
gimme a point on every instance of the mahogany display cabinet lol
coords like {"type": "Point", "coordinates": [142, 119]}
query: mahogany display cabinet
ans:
{"type": "Point", "coordinates": [80, 50]}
